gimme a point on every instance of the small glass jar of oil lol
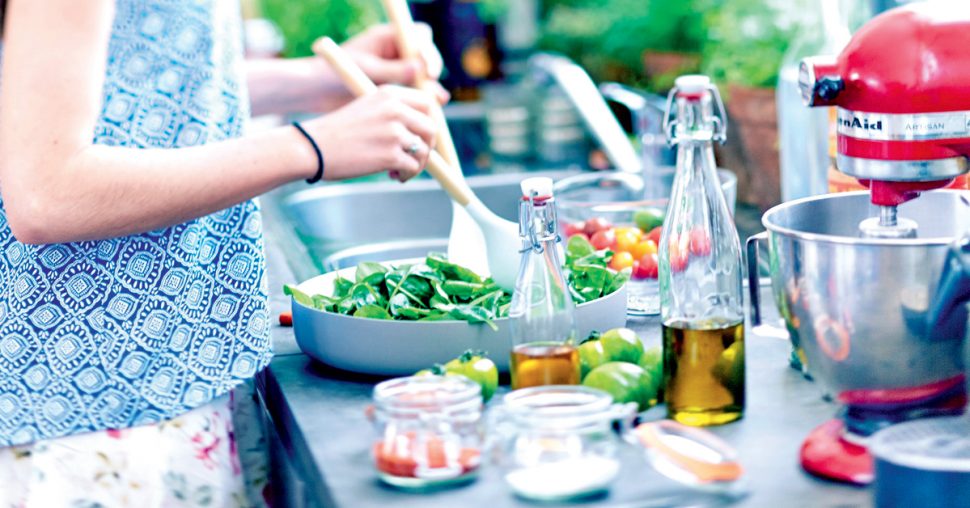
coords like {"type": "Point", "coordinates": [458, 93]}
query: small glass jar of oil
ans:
{"type": "Point", "coordinates": [542, 311]}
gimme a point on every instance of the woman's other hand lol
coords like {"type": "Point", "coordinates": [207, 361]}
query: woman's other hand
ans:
{"type": "Point", "coordinates": [309, 85]}
{"type": "Point", "coordinates": [376, 52]}
{"type": "Point", "coordinates": [390, 130]}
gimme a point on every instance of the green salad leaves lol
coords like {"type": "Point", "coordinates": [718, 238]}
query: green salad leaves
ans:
{"type": "Point", "coordinates": [438, 290]}
{"type": "Point", "coordinates": [588, 272]}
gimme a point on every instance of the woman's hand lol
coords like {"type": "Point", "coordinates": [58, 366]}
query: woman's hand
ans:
{"type": "Point", "coordinates": [386, 131]}
{"type": "Point", "coordinates": [308, 85]}
{"type": "Point", "coordinates": [376, 52]}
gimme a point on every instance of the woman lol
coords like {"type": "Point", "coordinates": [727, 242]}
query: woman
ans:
{"type": "Point", "coordinates": [132, 291]}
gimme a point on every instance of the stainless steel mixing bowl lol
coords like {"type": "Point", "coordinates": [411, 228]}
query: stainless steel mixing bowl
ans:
{"type": "Point", "coordinates": [857, 307]}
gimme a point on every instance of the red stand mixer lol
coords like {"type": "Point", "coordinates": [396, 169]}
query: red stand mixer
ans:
{"type": "Point", "coordinates": [902, 92]}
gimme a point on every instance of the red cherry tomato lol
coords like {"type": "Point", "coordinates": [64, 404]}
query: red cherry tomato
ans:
{"type": "Point", "coordinates": [574, 228]}
{"type": "Point", "coordinates": [603, 239]}
{"type": "Point", "coordinates": [647, 267]}
{"type": "Point", "coordinates": [286, 318]}
{"type": "Point", "coordinates": [655, 235]}
{"type": "Point", "coordinates": [700, 242]}
{"type": "Point", "coordinates": [595, 225]}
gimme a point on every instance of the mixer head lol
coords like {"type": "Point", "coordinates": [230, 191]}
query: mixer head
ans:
{"type": "Point", "coordinates": [902, 92]}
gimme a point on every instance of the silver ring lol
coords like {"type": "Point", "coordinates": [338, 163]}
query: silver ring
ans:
{"type": "Point", "coordinates": [413, 148]}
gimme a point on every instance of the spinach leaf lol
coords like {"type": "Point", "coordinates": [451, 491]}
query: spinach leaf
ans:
{"type": "Point", "coordinates": [473, 315]}
{"type": "Point", "coordinates": [401, 307]}
{"type": "Point", "coordinates": [299, 296]}
{"type": "Point", "coordinates": [619, 279]}
{"type": "Point", "coordinates": [346, 306]}
{"type": "Point", "coordinates": [414, 287]}
{"type": "Point", "coordinates": [372, 311]}
{"type": "Point", "coordinates": [437, 316]}
{"type": "Point", "coordinates": [451, 271]}
{"type": "Point", "coordinates": [363, 294]}
{"type": "Point", "coordinates": [341, 287]}
{"type": "Point", "coordinates": [370, 273]}
{"type": "Point", "coordinates": [465, 290]}
{"type": "Point", "coordinates": [324, 302]}
{"type": "Point", "coordinates": [438, 290]}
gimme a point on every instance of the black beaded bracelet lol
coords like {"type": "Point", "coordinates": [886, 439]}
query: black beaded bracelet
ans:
{"type": "Point", "coordinates": [316, 178]}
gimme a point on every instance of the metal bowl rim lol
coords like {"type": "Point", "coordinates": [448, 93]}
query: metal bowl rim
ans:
{"type": "Point", "coordinates": [847, 240]}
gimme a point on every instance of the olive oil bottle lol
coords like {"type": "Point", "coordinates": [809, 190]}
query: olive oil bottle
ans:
{"type": "Point", "coordinates": [700, 269]}
{"type": "Point", "coordinates": [704, 372]}
{"type": "Point", "coordinates": [541, 313]}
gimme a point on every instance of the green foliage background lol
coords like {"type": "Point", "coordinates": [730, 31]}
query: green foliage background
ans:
{"type": "Point", "coordinates": [741, 41]}
{"type": "Point", "coordinates": [303, 21]}
{"type": "Point", "coordinates": [747, 40]}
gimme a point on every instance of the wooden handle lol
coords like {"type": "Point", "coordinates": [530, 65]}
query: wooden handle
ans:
{"type": "Point", "coordinates": [352, 76]}
{"type": "Point", "coordinates": [360, 84]}
{"type": "Point", "coordinates": [400, 18]}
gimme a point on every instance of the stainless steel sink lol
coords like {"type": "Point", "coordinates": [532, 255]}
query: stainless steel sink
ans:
{"type": "Point", "coordinates": [341, 225]}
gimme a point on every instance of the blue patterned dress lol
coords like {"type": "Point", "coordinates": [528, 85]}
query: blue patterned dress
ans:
{"type": "Point", "coordinates": [116, 333]}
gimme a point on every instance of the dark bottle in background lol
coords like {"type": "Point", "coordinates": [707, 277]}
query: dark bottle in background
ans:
{"type": "Point", "coordinates": [467, 44]}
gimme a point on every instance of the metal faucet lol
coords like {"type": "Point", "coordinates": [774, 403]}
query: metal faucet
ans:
{"type": "Point", "coordinates": [647, 117]}
{"type": "Point", "coordinates": [592, 108]}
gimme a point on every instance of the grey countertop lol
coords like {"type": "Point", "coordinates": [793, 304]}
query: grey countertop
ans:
{"type": "Point", "coordinates": [318, 412]}
{"type": "Point", "coordinates": [318, 416]}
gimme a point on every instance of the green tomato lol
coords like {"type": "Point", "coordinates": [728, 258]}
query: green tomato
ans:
{"type": "Point", "coordinates": [652, 362]}
{"type": "Point", "coordinates": [626, 382]}
{"type": "Point", "coordinates": [622, 345]}
{"type": "Point", "coordinates": [475, 366]}
{"type": "Point", "coordinates": [591, 355]}
{"type": "Point", "coordinates": [648, 218]}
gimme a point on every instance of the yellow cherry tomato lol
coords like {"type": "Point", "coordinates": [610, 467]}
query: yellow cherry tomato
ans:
{"type": "Point", "coordinates": [626, 240]}
{"type": "Point", "coordinates": [629, 230]}
{"type": "Point", "coordinates": [643, 248]}
{"type": "Point", "coordinates": [621, 260]}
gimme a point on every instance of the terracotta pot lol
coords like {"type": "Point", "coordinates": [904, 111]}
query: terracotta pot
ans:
{"type": "Point", "coordinates": [660, 63]}
{"type": "Point", "coordinates": [754, 117]}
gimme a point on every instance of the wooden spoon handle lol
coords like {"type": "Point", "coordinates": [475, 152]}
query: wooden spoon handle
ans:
{"type": "Point", "coordinates": [400, 18]}
{"type": "Point", "coordinates": [358, 83]}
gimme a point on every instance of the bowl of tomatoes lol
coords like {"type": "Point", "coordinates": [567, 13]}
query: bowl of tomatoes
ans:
{"type": "Point", "coordinates": [610, 210]}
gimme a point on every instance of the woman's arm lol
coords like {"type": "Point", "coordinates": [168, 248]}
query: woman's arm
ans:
{"type": "Point", "coordinates": [57, 186]}
{"type": "Point", "coordinates": [309, 85]}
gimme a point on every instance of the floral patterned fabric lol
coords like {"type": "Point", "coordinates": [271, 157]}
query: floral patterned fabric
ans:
{"type": "Point", "coordinates": [127, 331]}
{"type": "Point", "coordinates": [190, 461]}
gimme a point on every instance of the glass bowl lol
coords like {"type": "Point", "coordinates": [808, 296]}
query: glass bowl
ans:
{"type": "Point", "coordinates": [616, 197]}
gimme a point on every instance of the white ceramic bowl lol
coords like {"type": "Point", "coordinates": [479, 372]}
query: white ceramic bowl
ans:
{"type": "Point", "coordinates": [393, 348]}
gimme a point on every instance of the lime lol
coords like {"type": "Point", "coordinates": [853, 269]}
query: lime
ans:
{"type": "Point", "coordinates": [625, 382]}
{"type": "Point", "coordinates": [648, 218]}
{"type": "Point", "coordinates": [591, 355]}
{"type": "Point", "coordinates": [622, 345]}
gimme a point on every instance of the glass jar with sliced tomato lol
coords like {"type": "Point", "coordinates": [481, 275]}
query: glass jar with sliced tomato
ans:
{"type": "Point", "coordinates": [630, 231]}
{"type": "Point", "coordinates": [429, 431]}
